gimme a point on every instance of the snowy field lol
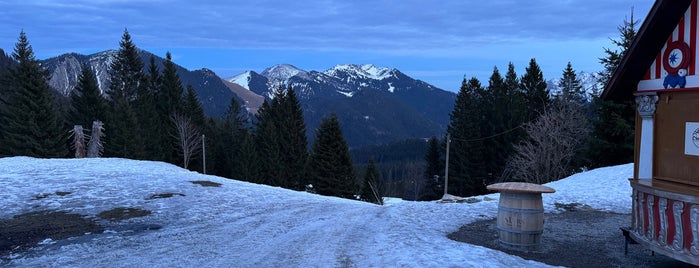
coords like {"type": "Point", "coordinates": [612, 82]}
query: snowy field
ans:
{"type": "Point", "coordinates": [247, 225]}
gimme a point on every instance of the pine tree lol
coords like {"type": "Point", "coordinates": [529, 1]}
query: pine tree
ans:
{"type": "Point", "coordinates": [87, 103]}
{"type": "Point", "coordinates": [371, 188]}
{"type": "Point", "coordinates": [571, 87]}
{"type": "Point", "coordinates": [434, 172]}
{"type": "Point", "coordinates": [152, 125]}
{"type": "Point", "coordinates": [612, 138]}
{"type": "Point", "coordinates": [249, 163]}
{"type": "Point", "coordinates": [226, 137]}
{"type": "Point", "coordinates": [293, 141]}
{"type": "Point", "coordinates": [191, 108]}
{"type": "Point", "coordinates": [267, 143]}
{"type": "Point", "coordinates": [536, 93]}
{"type": "Point", "coordinates": [32, 126]}
{"type": "Point", "coordinates": [331, 164]}
{"type": "Point", "coordinates": [466, 162]}
{"type": "Point", "coordinates": [509, 118]}
{"type": "Point", "coordinates": [123, 134]}
{"type": "Point", "coordinates": [169, 102]}
{"type": "Point", "coordinates": [496, 111]}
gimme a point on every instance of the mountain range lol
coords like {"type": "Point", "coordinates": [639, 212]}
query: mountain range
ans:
{"type": "Point", "coordinates": [375, 105]}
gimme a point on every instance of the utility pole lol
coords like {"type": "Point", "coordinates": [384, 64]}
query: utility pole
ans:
{"type": "Point", "coordinates": [446, 167]}
{"type": "Point", "coordinates": [203, 152]}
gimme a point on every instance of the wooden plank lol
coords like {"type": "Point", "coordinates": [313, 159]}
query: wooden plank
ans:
{"type": "Point", "coordinates": [522, 187]}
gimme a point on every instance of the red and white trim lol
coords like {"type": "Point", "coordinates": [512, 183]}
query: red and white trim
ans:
{"type": "Point", "coordinates": [687, 30]}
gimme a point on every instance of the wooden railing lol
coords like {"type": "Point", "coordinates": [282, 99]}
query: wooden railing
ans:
{"type": "Point", "coordinates": [666, 219]}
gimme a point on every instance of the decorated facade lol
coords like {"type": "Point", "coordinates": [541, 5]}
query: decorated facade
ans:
{"type": "Point", "coordinates": [660, 72]}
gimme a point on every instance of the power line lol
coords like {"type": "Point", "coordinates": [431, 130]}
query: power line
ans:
{"type": "Point", "coordinates": [491, 136]}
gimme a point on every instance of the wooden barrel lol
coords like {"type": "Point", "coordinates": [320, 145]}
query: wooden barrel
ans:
{"type": "Point", "coordinates": [520, 220]}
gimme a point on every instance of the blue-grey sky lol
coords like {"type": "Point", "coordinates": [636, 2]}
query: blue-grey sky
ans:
{"type": "Point", "coordinates": [438, 42]}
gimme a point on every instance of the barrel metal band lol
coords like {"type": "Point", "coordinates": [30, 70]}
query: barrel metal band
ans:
{"type": "Point", "coordinates": [521, 210]}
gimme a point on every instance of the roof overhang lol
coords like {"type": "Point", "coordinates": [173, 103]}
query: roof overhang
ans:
{"type": "Point", "coordinates": [662, 19]}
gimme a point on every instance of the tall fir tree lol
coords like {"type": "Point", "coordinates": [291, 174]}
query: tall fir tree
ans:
{"type": "Point", "coordinates": [571, 88]}
{"type": "Point", "coordinates": [191, 108]}
{"type": "Point", "coordinates": [372, 187]}
{"type": "Point", "coordinates": [267, 144]}
{"type": "Point", "coordinates": [466, 161]}
{"type": "Point", "coordinates": [535, 90]}
{"type": "Point", "coordinates": [509, 119]}
{"type": "Point", "coordinates": [281, 138]}
{"type": "Point", "coordinates": [124, 137]}
{"type": "Point", "coordinates": [169, 102]}
{"type": "Point", "coordinates": [150, 122]}
{"type": "Point", "coordinates": [493, 126]}
{"type": "Point", "coordinates": [573, 101]}
{"type": "Point", "coordinates": [331, 164]}
{"type": "Point", "coordinates": [434, 172]}
{"type": "Point", "coordinates": [294, 144]}
{"type": "Point", "coordinates": [612, 138]}
{"type": "Point", "coordinates": [32, 125]}
{"type": "Point", "coordinates": [6, 64]}
{"type": "Point", "coordinates": [249, 163]}
{"type": "Point", "coordinates": [232, 132]}
{"type": "Point", "coordinates": [87, 103]}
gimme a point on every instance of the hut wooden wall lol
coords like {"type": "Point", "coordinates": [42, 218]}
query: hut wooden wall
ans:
{"type": "Point", "coordinates": [670, 163]}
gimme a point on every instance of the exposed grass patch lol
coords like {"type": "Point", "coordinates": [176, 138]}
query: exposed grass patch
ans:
{"type": "Point", "coordinates": [163, 195]}
{"type": "Point", "coordinates": [207, 183]}
{"type": "Point", "coordinates": [122, 213]}
{"type": "Point", "coordinates": [41, 196]}
{"type": "Point", "coordinates": [472, 200]}
{"type": "Point", "coordinates": [573, 207]}
{"type": "Point", "coordinates": [45, 195]}
{"type": "Point", "coordinates": [27, 230]}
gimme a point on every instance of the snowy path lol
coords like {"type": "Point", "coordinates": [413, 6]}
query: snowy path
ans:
{"type": "Point", "coordinates": [247, 225]}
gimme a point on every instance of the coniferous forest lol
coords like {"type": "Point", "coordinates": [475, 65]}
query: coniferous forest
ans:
{"type": "Point", "coordinates": [510, 128]}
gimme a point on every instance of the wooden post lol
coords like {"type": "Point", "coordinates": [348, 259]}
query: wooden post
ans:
{"type": "Point", "coordinates": [203, 153]}
{"type": "Point", "coordinates": [446, 166]}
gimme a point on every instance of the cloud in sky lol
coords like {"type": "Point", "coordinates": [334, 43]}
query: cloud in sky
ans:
{"type": "Point", "coordinates": [426, 36]}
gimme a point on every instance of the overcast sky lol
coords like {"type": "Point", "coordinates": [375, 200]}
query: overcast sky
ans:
{"type": "Point", "coordinates": [438, 42]}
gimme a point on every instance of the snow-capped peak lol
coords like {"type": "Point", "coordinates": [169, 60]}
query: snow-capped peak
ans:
{"type": "Point", "coordinates": [283, 72]}
{"type": "Point", "coordinates": [242, 80]}
{"type": "Point", "coordinates": [369, 71]}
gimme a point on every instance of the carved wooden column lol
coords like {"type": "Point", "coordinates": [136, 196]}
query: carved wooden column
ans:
{"type": "Point", "coordinates": [646, 109]}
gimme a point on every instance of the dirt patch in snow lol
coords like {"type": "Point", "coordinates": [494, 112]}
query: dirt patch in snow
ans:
{"type": "Point", "coordinates": [578, 237]}
{"type": "Point", "coordinates": [122, 213]}
{"type": "Point", "coordinates": [45, 195]}
{"type": "Point", "coordinates": [163, 195]}
{"type": "Point", "coordinates": [27, 230]}
{"type": "Point", "coordinates": [207, 183]}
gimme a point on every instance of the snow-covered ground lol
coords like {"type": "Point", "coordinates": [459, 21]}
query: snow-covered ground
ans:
{"type": "Point", "coordinates": [246, 225]}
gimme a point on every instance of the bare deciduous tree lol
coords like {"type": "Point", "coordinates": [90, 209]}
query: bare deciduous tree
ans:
{"type": "Point", "coordinates": [553, 140]}
{"type": "Point", "coordinates": [188, 137]}
{"type": "Point", "coordinates": [95, 146]}
{"type": "Point", "coordinates": [78, 141]}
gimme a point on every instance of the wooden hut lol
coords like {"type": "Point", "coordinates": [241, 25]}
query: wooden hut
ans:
{"type": "Point", "coordinates": [660, 71]}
